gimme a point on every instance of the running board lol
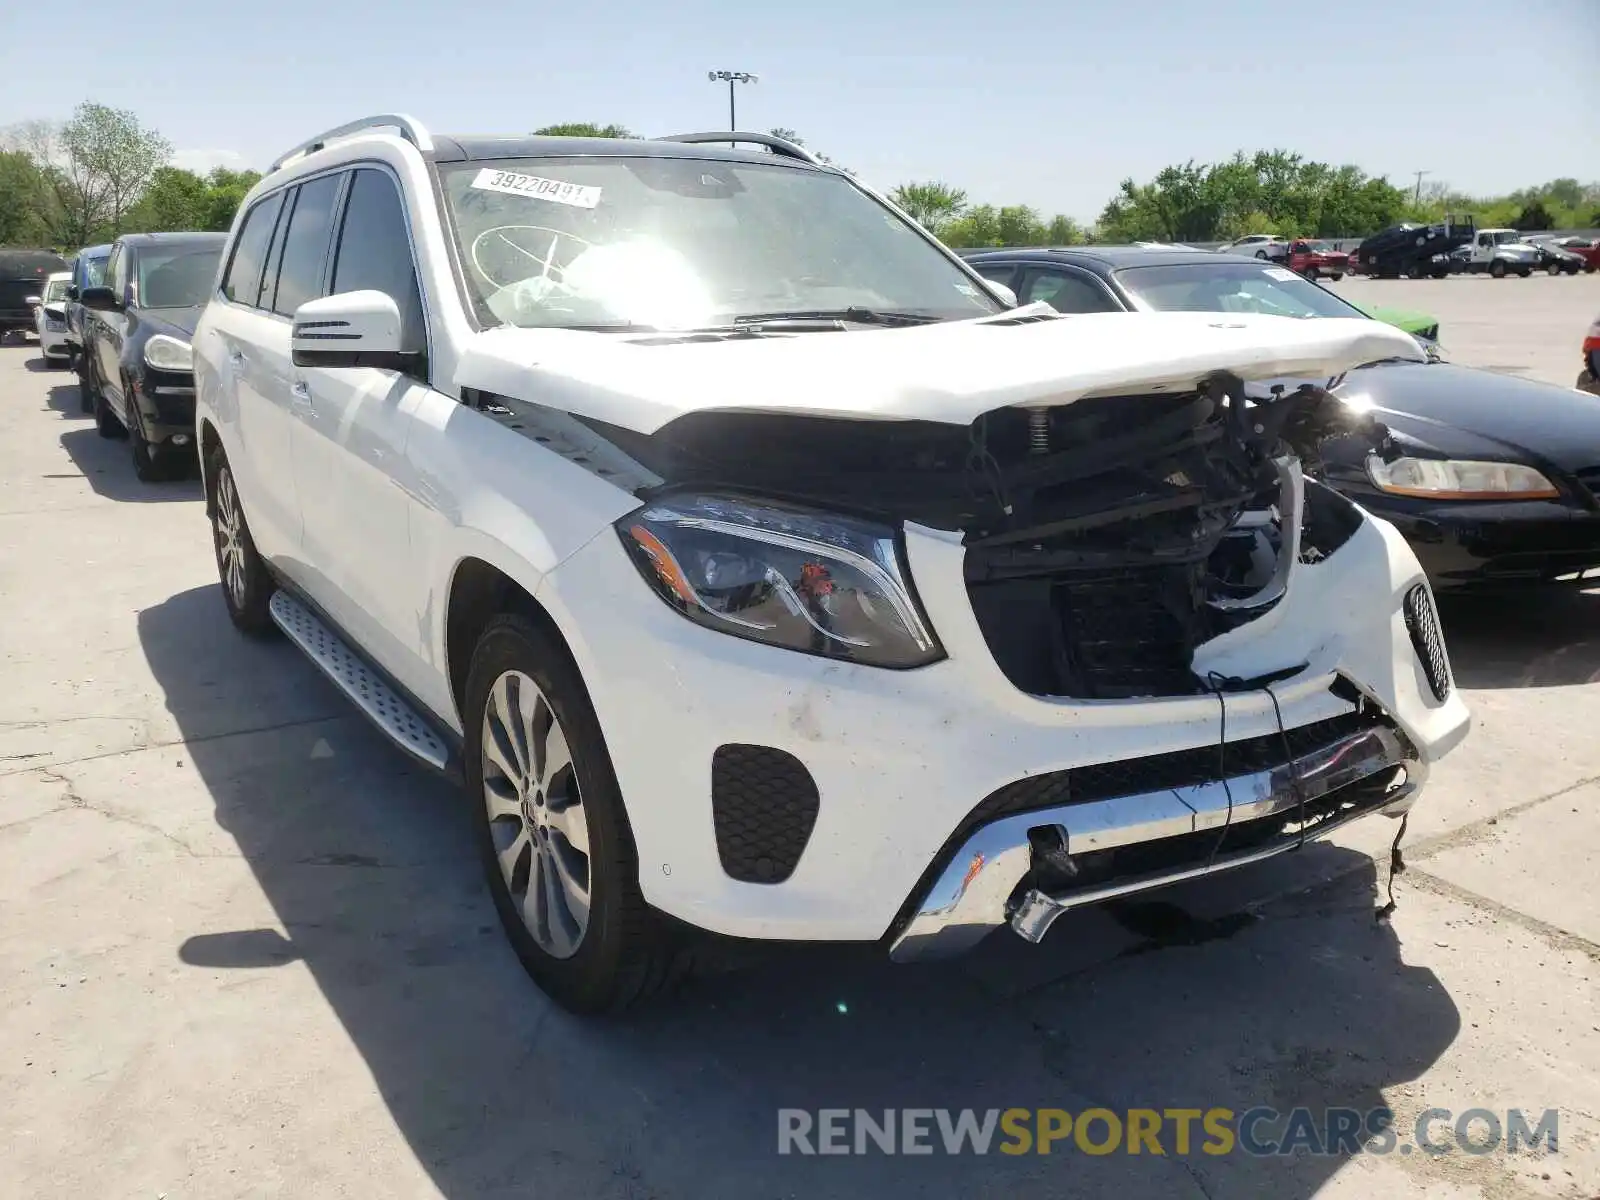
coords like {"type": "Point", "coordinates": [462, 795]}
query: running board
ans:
{"type": "Point", "coordinates": [351, 674]}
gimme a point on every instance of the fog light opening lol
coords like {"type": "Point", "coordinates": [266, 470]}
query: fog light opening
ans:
{"type": "Point", "coordinates": [180, 439]}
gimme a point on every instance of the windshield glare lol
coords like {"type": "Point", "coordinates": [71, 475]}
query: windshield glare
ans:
{"type": "Point", "coordinates": [56, 289]}
{"type": "Point", "coordinates": [1233, 288]}
{"type": "Point", "coordinates": [177, 278]}
{"type": "Point", "coordinates": [678, 243]}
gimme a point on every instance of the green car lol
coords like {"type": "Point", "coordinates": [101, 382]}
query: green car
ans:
{"type": "Point", "coordinates": [1418, 324]}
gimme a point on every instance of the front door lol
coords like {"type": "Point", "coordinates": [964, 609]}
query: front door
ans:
{"type": "Point", "coordinates": [110, 327]}
{"type": "Point", "coordinates": [350, 432]}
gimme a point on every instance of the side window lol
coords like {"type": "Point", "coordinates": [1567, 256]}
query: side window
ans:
{"type": "Point", "coordinates": [117, 271]}
{"type": "Point", "coordinates": [1066, 293]}
{"type": "Point", "coordinates": [997, 273]}
{"type": "Point", "coordinates": [374, 252]}
{"type": "Point", "coordinates": [305, 245]}
{"type": "Point", "coordinates": [242, 283]}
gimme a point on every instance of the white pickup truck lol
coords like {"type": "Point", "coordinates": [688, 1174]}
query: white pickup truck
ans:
{"type": "Point", "coordinates": [758, 567]}
{"type": "Point", "coordinates": [1501, 252]}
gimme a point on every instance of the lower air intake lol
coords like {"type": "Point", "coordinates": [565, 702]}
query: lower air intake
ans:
{"type": "Point", "coordinates": [1422, 623]}
{"type": "Point", "coordinates": [764, 804]}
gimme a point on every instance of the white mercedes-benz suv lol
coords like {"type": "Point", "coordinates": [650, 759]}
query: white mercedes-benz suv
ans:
{"type": "Point", "coordinates": [760, 568]}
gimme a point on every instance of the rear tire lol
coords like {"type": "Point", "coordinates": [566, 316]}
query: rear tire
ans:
{"type": "Point", "coordinates": [1312, 273]}
{"type": "Point", "coordinates": [86, 388]}
{"type": "Point", "coordinates": [525, 697]}
{"type": "Point", "coordinates": [1336, 276]}
{"type": "Point", "coordinates": [1524, 272]}
{"type": "Point", "coordinates": [247, 585]}
{"type": "Point", "coordinates": [1553, 269]}
{"type": "Point", "coordinates": [105, 421]}
{"type": "Point", "coordinates": [1497, 269]}
{"type": "Point", "coordinates": [1261, 253]}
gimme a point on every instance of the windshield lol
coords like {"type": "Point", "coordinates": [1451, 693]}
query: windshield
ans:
{"type": "Point", "coordinates": [610, 242]}
{"type": "Point", "coordinates": [180, 277]}
{"type": "Point", "coordinates": [1503, 236]}
{"type": "Point", "coordinates": [56, 289]}
{"type": "Point", "coordinates": [1231, 287]}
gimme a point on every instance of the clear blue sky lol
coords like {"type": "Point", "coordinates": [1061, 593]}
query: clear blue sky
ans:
{"type": "Point", "coordinates": [1049, 104]}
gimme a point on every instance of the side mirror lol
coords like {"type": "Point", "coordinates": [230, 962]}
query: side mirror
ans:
{"type": "Point", "coordinates": [100, 299]}
{"type": "Point", "coordinates": [72, 291]}
{"type": "Point", "coordinates": [1004, 294]}
{"type": "Point", "coordinates": [352, 329]}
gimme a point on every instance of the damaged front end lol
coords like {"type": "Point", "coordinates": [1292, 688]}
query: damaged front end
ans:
{"type": "Point", "coordinates": [1106, 539]}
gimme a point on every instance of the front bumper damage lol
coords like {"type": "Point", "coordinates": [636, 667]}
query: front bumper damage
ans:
{"type": "Point", "coordinates": [1270, 668]}
{"type": "Point", "coordinates": [1027, 870]}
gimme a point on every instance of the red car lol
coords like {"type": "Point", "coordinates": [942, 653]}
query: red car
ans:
{"type": "Point", "coordinates": [1589, 380]}
{"type": "Point", "coordinates": [1317, 258]}
{"type": "Point", "coordinates": [1587, 249]}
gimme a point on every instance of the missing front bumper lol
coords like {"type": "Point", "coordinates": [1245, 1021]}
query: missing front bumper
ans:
{"type": "Point", "coordinates": [1010, 871]}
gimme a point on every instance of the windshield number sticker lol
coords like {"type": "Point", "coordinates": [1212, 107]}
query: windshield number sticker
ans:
{"type": "Point", "coordinates": [576, 194]}
{"type": "Point", "coordinates": [1280, 273]}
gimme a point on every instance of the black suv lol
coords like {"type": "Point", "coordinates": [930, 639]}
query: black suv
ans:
{"type": "Point", "coordinates": [22, 276]}
{"type": "Point", "coordinates": [137, 369]}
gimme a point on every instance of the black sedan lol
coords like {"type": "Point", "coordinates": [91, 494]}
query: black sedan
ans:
{"type": "Point", "coordinates": [137, 365]}
{"type": "Point", "coordinates": [1492, 479]}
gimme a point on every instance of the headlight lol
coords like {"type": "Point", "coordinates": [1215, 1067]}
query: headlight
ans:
{"type": "Point", "coordinates": [1459, 479]}
{"type": "Point", "coordinates": [826, 585]}
{"type": "Point", "coordinates": [168, 354]}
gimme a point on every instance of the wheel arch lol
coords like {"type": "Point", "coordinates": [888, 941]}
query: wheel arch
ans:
{"type": "Point", "coordinates": [210, 441]}
{"type": "Point", "coordinates": [480, 591]}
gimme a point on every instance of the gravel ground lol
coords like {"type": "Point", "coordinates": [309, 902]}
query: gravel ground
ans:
{"type": "Point", "coordinates": [244, 950]}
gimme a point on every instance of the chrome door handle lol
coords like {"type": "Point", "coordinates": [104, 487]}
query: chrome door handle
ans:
{"type": "Point", "coordinates": [300, 395]}
{"type": "Point", "coordinates": [236, 358]}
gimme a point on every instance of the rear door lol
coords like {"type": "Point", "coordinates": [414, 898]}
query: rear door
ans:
{"type": "Point", "coordinates": [350, 435]}
{"type": "Point", "coordinates": [240, 348]}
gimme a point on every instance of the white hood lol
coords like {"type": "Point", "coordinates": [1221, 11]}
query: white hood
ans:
{"type": "Point", "coordinates": [950, 372]}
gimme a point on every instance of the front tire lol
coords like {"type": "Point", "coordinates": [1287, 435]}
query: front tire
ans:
{"type": "Point", "coordinates": [1261, 253]}
{"type": "Point", "coordinates": [86, 388]}
{"type": "Point", "coordinates": [149, 464]}
{"type": "Point", "coordinates": [557, 850]}
{"type": "Point", "coordinates": [247, 585]}
{"type": "Point", "coordinates": [105, 421]}
{"type": "Point", "coordinates": [1336, 276]}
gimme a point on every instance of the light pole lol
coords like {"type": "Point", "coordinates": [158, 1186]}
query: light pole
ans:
{"type": "Point", "coordinates": [1418, 198]}
{"type": "Point", "coordinates": [731, 78]}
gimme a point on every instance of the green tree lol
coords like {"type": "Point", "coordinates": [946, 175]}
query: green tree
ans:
{"type": "Point", "coordinates": [108, 160]}
{"type": "Point", "coordinates": [1534, 216]}
{"type": "Point", "coordinates": [583, 129]}
{"type": "Point", "coordinates": [175, 200]}
{"type": "Point", "coordinates": [787, 134]}
{"type": "Point", "coordinates": [225, 192]}
{"type": "Point", "coordinates": [933, 205]}
{"type": "Point", "coordinates": [1064, 231]}
{"type": "Point", "coordinates": [25, 196]}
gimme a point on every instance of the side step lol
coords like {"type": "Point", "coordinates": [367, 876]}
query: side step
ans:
{"type": "Point", "coordinates": [357, 680]}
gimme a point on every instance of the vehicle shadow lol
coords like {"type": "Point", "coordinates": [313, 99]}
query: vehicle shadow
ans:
{"type": "Point", "coordinates": [1545, 637]}
{"type": "Point", "coordinates": [64, 398]}
{"type": "Point", "coordinates": [40, 367]}
{"type": "Point", "coordinates": [1201, 997]}
{"type": "Point", "coordinates": [108, 466]}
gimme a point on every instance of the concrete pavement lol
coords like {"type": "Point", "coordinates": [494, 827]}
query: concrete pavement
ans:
{"type": "Point", "coordinates": [244, 950]}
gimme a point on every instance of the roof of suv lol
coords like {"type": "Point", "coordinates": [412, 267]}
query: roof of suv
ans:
{"type": "Point", "coordinates": [470, 148]}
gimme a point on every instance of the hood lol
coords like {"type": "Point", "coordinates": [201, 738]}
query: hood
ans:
{"type": "Point", "coordinates": [1557, 424]}
{"type": "Point", "coordinates": [951, 372]}
{"type": "Point", "coordinates": [178, 321]}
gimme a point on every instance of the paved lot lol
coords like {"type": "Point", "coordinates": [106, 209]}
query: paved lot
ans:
{"type": "Point", "coordinates": [244, 950]}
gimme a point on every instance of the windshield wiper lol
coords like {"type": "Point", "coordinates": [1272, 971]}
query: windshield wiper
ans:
{"type": "Point", "coordinates": [856, 315]}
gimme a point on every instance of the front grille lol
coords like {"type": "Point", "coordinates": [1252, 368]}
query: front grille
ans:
{"type": "Point", "coordinates": [1427, 639]}
{"type": "Point", "coordinates": [1126, 632]}
{"type": "Point", "coordinates": [763, 805]}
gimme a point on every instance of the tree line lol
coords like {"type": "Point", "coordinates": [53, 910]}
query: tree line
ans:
{"type": "Point", "coordinates": [101, 173]}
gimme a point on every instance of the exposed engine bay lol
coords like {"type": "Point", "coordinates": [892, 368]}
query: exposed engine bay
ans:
{"type": "Point", "coordinates": [1106, 539]}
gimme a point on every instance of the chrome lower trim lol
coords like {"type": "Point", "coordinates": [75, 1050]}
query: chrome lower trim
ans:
{"type": "Point", "coordinates": [974, 894]}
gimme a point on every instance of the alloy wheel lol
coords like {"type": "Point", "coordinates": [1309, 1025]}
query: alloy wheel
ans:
{"type": "Point", "coordinates": [230, 542]}
{"type": "Point", "coordinates": [536, 813]}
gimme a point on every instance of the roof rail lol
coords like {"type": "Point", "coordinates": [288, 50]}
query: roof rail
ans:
{"type": "Point", "coordinates": [409, 128]}
{"type": "Point", "coordinates": [777, 145]}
